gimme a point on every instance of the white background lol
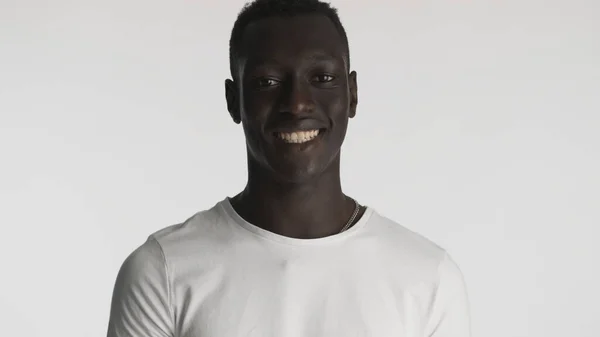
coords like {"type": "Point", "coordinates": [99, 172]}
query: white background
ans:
{"type": "Point", "coordinates": [477, 127]}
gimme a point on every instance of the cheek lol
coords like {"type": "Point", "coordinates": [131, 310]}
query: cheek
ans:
{"type": "Point", "coordinates": [255, 112]}
{"type": "Point", "coordinates": [337, 108]}
{"type": "Point", "coordinates": [252, 104]}
{"type": "Point", "coordinates": [260, 102]}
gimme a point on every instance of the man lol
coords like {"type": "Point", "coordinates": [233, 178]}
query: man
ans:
{"type": "Point", "coordinates": [291, 255]}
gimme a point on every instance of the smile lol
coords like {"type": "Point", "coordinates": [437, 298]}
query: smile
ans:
{"type": "Point", "coordinates": [298, 137]}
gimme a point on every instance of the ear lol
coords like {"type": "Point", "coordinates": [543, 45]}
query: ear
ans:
{"type": "Point", "coordinates": [353, 86]}
{"type": "Point", "coordinates": [233, 102]}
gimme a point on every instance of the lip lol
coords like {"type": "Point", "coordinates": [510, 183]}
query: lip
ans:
{"type": "Point", "coordinates": [291, 130]}
{"type": "Point", "coordinates": [299, 146]}
{"type": "Point", "coordinates": [299, 125]}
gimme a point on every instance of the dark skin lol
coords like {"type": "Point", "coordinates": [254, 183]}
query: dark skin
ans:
{"type": "Point", "coordinates": [293, 75]}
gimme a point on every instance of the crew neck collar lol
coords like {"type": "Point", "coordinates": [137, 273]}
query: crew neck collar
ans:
{"type": "Point", "coordinates": [228, 209]}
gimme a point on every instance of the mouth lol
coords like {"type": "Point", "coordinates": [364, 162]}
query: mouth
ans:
{"type": "Point", "coordinates": [299, 137]}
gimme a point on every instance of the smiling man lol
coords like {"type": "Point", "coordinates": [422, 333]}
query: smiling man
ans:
{"type": "Point", "coordinates": [291, 255]}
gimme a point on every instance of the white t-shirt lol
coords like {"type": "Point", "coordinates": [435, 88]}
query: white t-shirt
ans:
{"type": "Point", "coordinates": [216, 275]}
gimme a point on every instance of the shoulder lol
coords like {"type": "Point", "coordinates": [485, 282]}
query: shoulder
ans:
{"type": "Point", "coordinates": [199, 238]}
{"type": "Point", "coordinates": [406, 242]}
{"type": "Point", "coordinates": [145, 259]}
{"type": "Point", "coordinates": [419, 262]}
{"type": "Point", "coordinates": [201, 227]}
{"type": "Point", "coordinates": [411, 254]}
{"type": "Point", "coordinates": [155, 258]}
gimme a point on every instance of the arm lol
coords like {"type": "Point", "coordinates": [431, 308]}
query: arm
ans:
{"type": "Point", "coordinates": [449, 313]}
{"type": "Point", "coordinates": [140, 304]}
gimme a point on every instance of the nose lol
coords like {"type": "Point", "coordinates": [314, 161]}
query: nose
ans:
{"type": "Point", "coordinates": [297, 98]}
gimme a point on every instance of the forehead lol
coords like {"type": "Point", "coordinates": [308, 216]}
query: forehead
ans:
{"type": "Point", "coordinates": [288, 39]}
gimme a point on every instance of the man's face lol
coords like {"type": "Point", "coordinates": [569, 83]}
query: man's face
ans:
{"type": "Point", "coordinates": [294, 95]}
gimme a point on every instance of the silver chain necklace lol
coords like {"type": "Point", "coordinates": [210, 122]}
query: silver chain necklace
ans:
{"type": "Point", "coordinates": [356, 209]}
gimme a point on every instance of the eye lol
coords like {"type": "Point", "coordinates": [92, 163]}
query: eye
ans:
{"type": "Point", "coordinates": [265, 82]}
{"type": "Point", "coordinates": [323, 78]}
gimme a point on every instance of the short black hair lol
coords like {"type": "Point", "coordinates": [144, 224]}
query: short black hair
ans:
{"type": "Point", "coordinates": [261, 9]}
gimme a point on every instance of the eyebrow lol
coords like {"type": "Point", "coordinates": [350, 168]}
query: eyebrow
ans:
{"type": "Point", "coordinates": [320, 56]}
{"type": "Point", "coordinates": [326, 57]}
{"type": "Point", "coordinates": [268, 61]}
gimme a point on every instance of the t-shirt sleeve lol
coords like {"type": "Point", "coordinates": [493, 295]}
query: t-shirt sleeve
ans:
{"type": "Point", "coordinates": [140, 304]}
{"type": "Point", "coordinates": [449, 311]}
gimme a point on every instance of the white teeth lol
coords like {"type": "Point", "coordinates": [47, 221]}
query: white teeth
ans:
{"type": "Point", "coordinates": [298, 137]}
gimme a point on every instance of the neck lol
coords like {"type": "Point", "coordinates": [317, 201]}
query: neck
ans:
{"type": "Point", "coordinates": [309, 209]}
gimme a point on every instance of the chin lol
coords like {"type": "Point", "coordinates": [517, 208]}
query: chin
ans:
{"type": "Point", "coordinates": [298, 175]}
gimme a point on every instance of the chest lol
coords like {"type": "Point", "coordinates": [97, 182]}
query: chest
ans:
{"type": "Point", "coordinates": [298, 299]}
